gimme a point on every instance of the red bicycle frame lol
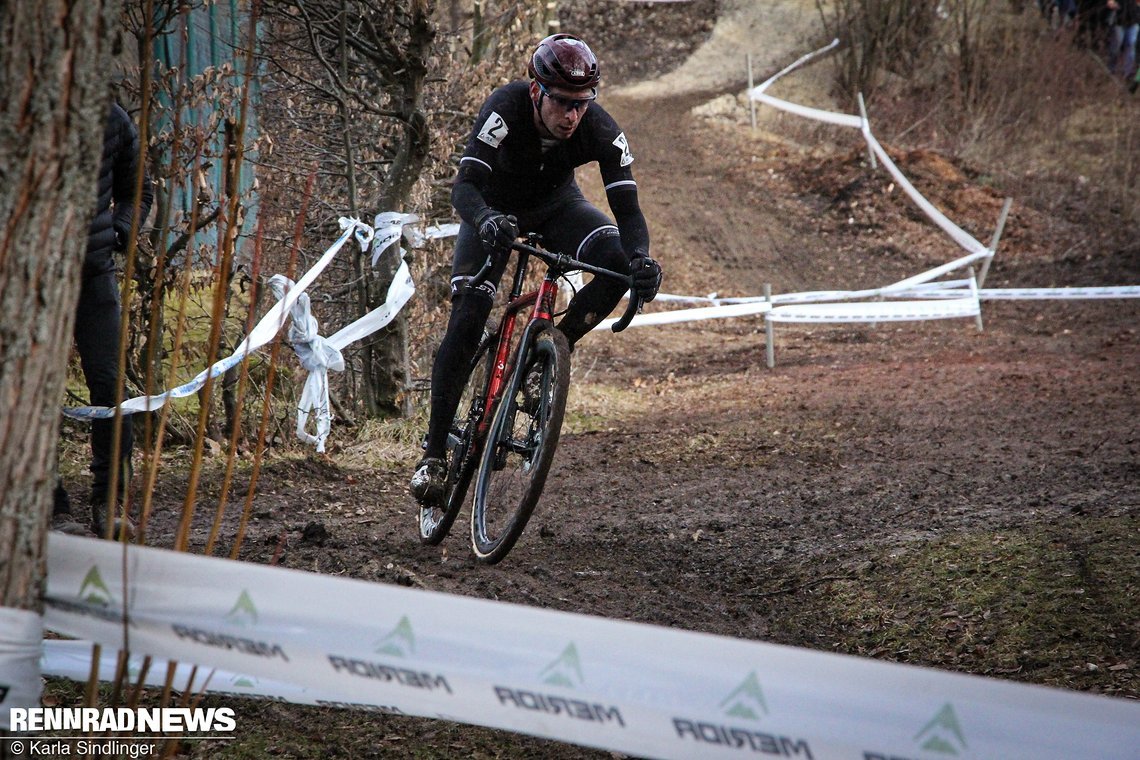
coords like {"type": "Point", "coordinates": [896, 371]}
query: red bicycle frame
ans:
{"type": "Point", "coordinates": [543, 301]}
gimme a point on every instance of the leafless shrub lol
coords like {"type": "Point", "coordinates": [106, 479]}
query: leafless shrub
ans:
{"type": "Point", "coordinates": [880, 36]}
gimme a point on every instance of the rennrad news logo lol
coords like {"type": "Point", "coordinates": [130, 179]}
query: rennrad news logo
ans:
{"type": "Point", "coordinates": [142, 719]}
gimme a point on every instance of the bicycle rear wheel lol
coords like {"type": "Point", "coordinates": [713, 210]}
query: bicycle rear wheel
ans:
{"type": "Point", "coordinates": [520, 448]}
{"type": "Point", "coordinates": [463, 448]}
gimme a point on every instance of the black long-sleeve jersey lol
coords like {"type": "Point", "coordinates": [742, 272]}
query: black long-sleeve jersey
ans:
{"type": "Point", "coordinates": [509, 167]}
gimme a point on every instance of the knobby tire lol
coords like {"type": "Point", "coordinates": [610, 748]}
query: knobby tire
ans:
{"type": "Point", "coordinates": [519, 450]}
{"type": "Point", "coordinates": [463, 449]}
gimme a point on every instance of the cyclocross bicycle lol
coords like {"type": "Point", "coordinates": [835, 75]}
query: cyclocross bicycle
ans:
{"type": "Point", "coordinates": [510, 414]}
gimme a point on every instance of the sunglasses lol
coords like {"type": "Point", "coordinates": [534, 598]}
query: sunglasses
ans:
{"type": "Point", "coordinates": [567, 104]}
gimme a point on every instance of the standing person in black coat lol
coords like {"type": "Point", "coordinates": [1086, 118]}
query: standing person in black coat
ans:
{"type": "Point", "coordinates": [98, 318]}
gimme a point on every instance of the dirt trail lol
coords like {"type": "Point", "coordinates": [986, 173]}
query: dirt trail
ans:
{"type": "Point", "coordinates": [774, 32]}
{"type": "Point", "coordinates": [696, 488]}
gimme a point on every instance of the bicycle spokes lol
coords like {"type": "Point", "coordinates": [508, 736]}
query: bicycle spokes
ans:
{"type": "Point", "coordinates": [520, 447]}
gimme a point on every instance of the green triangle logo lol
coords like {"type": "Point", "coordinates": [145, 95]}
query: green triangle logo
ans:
{"type": "Point", "coordinates": [400, 642]}
{"type": "Point", "coordinates": [243, 682]}
{"type": "Point", "coordinates": [943, 734]}
{"type": "Point", "coordinates": [243, 613]}
{"type": "Point", "coordinates": [746, 700]}
{"type": "Point", "coordinates": [93, 590]}
{"type": "Point", "coordinates": [566, 670]}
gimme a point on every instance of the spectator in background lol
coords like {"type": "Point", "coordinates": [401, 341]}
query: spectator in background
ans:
{"type": "Point", "coordinates": [1066, 10]}
{"type": "Point", "coordinates": [1122, 39]}
{"type": "Point", "coordinates": [99, 315]}
{"type": "Point", "coordinates": [1093, 23]}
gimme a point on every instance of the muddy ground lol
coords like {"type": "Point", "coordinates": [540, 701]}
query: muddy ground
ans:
{"type": "Point", "coordinates": [924, 493]}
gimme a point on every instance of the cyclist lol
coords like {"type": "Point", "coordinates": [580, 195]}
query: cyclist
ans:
{"type": "Point", "coordinates": [517, 176]}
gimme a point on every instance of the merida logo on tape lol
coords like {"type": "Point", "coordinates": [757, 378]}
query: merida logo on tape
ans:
{"type": "Point", "coordinates": [245, 686]}
{"type": "Point", "coordinates": [745, 702]}
{"type": "Point", "coordinates": [93, 590]}
{"type": "Point", "coordinates": [566, 672]}
{"type": "Point", "coordinates": [243, 614]}
{"type": "Point", "coordinates": [399, 642]}
{"type": "Point", "coordinates": [241, 644]}
{"type": "Point", "coordinates": [942, 736]}
{"type": "Point", "coordinates": [243, 682]}
{"type": "Point", "coordinates": [361, 706]}
{"type": "Point", "coordinates": [94, 599]}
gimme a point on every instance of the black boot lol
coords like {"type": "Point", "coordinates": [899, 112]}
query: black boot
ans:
{"type": "Point", "coordinates": [61, 517]}
{"type": "Point", "coordinates": [100, 511]}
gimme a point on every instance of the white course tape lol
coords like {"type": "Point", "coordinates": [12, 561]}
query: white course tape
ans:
{"type": "Point", "coordinates": [21, 632]}
{"type": "Point", "coordinates": [318, 355]}
{"type": "Point", "coordinates": [626, 687]}
{"type": "Point", "coordinates": [779, 310]}
{"type": "Point", "coordinates": [392, 225]}
{"type": "Point", "coordinates": [400, 291]}
{"type": "Point", "coordinates": [950, 289]}
{"type": "Point", "coordinates": [958, 298]}
{"type": "Point", "coordinates": [431, 232]}
{"type": "Point", "coordinates": [693, 315]}
{"type": "Point", "coordinates": [261, 334]}
{"type": "Point", "coordinates": [840, 119]}
{"type": "Point", "coordinates": [72, 660]}
{"type": "Point", "coordinates": [956, 233]}
{"type": "Point", "coordinates": [1018, 294]}
{"type": "Point", "coordinates": [389, 226]}
{"type": "Point", "coordinates": [877, 311]}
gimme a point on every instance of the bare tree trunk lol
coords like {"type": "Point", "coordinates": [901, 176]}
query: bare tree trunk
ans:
{"type": "Point", "coordinates": [390, 370]}
{"type": "Point", "coordinates": [53, 98]}
{"type": "Point", "coordinates": [53, 105]}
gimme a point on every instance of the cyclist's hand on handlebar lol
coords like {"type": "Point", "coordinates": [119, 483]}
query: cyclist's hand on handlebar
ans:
{"type": "Point", "coordinates": [646, 277]}
{"type": "Point", "coordinates": [498, 231]}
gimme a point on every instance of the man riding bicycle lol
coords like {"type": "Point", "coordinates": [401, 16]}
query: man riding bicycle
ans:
{"type": "Point", "coordinates": [517, 176]}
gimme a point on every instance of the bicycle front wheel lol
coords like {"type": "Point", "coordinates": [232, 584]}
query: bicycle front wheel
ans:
{"type": "Point", "coordinates": [520, 447]}
{"type": "Point", "coordinates": [463, 449]}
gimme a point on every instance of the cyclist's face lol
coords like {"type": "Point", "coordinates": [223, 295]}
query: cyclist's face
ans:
{"type": "Point", "coordinates": [561, 110]}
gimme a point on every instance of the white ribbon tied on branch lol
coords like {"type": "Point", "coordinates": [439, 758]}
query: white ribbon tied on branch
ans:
{"type": "Point", "coordinates": [317, 356]}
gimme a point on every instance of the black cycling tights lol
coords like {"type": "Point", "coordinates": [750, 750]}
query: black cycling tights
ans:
{"type": "Point", "coordinates": [469, 311]}
{"type": "Point", "coordinates": [594, 302]}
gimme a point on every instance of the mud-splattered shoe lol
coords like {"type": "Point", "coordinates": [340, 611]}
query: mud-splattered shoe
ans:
{"type": "Point", "coordinates": [428, 481]}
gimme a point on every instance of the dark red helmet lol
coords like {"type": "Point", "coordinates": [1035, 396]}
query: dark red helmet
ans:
{"type": "Point", "coordinates": [563, 60]}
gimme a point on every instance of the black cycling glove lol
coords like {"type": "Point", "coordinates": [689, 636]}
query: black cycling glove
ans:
{"type": "Point", "coordinates": [497, 231]}
{"type": "Point", "coordinates": [646, 277]}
